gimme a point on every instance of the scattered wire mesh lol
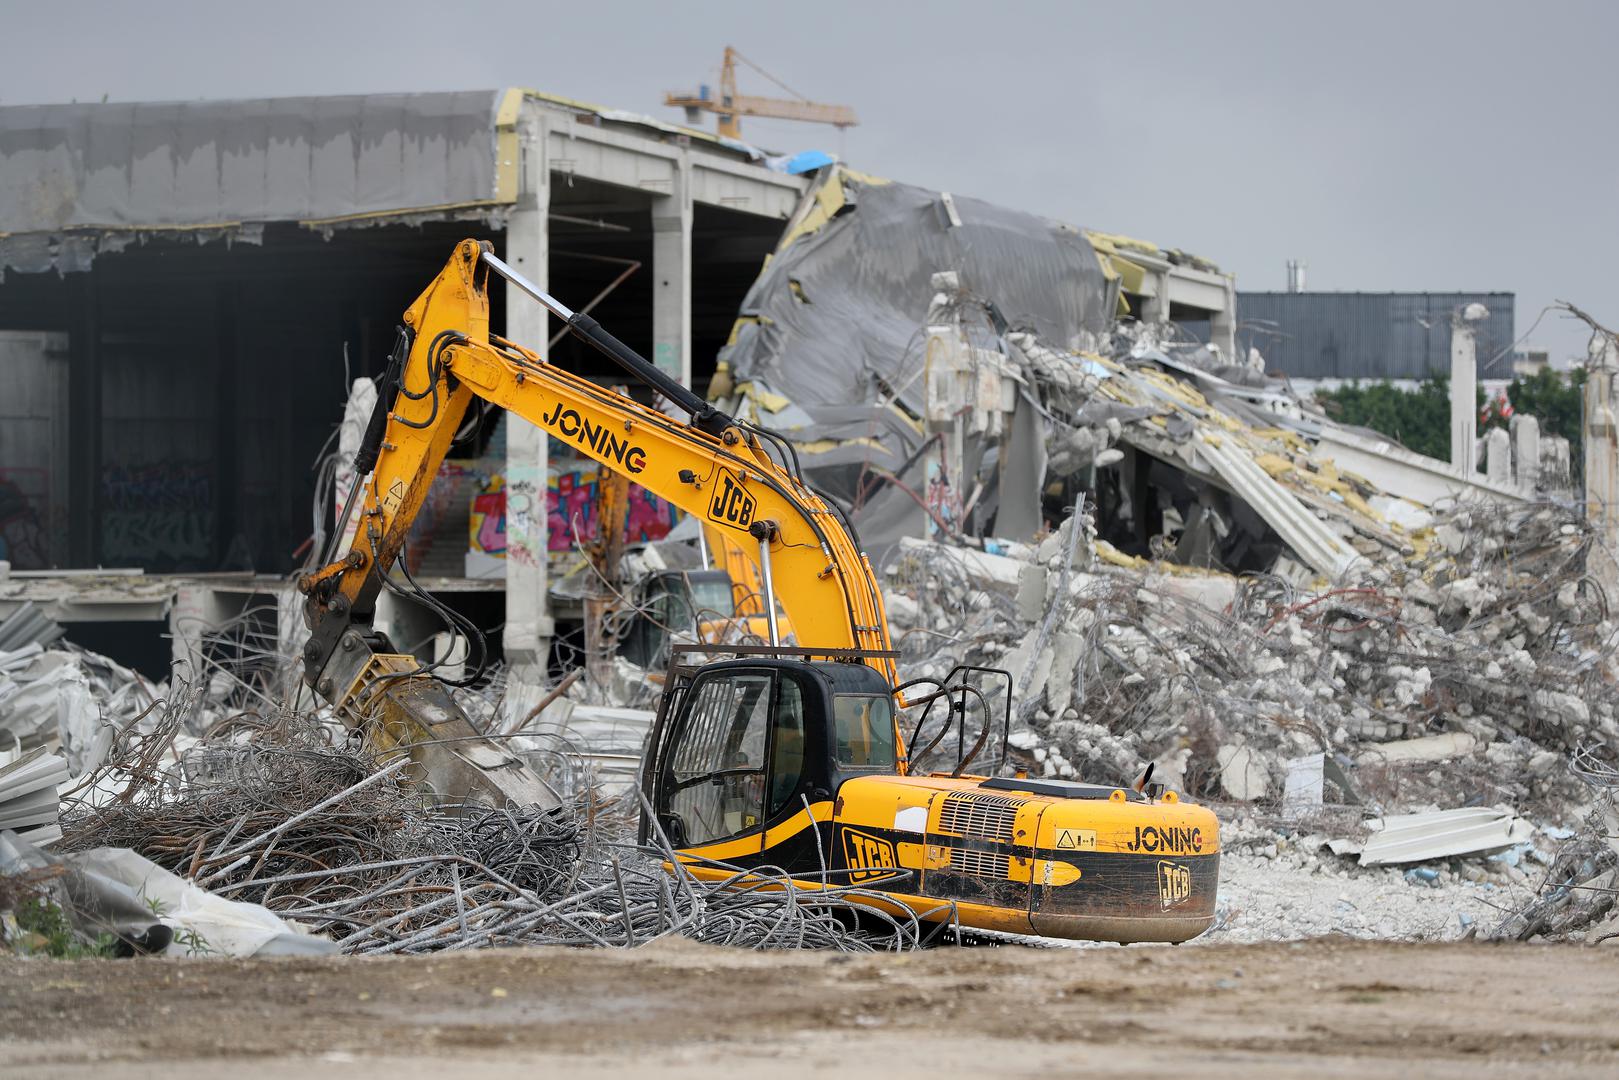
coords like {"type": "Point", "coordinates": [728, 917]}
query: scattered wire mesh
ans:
{"type": "Point", "coordinates": [1581, 886]}
{"type": "Point", "coordinates": [285, 813]}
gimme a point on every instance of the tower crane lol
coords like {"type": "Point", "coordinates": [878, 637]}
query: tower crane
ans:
{"type": "Point", "coordinates": [731, 106]}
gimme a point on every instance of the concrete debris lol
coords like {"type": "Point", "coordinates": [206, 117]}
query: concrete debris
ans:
{"type": "Point", "coordinates": [1482, 659]}
{"type": "Point", "coordinates": [1411, 838]}
{"type": "Point", "coordinates": [1459, 670]}
{"type": "Point", "coordinates": [28, 794]}
{"type": "Point", "coordinates": [1285, 885]}
{"type": "Point", "coordinates": [1243, 773]}
{"type": "Point", "coordinates": [1575, 898]}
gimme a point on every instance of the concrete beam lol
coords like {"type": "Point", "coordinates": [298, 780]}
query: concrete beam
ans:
{"type": "Point", "coordinates": [1404, 473]}
{"type": "Point", "coordinates": [1199, 289]}
{"type": "Point", "coordinates": [744, 188]}
{"type": "Point", "coordinates": [611, 157]}
{"type": "Point", "coordinates": [527, 635]}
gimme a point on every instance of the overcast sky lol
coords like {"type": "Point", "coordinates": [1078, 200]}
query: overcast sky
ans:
{"type": "Point", "coordinates": [1394, 146]}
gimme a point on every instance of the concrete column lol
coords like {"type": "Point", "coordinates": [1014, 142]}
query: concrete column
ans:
{"type": "Point", "coordinates": [1155, 309]}
{"type": "Point", "coordinates": [527, 636]}
{"type": "Point", "coordinates": [671, 276]}
{"type": "Point", "coordinates": [1526, 452]}
{"type": "Point", "coordinates": [84, 421]}
{"type": "Point", "coordinates": [1498, 456]}
{"type": "Point", "coordinates": [1602, 454]}
{"type": "Point", "coordinates": [227, 378]}
{"type": "Point", "coordinates": [1463, 396]}
{"type": "Point", "coordinates": [1223, 326]}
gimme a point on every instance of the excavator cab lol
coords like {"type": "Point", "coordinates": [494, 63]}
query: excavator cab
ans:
{"type": "Point", "coordinates": [675, 601]}
{"type": "Point", "coordinates": [795, 759]}
{"type": "Point", "coordinates": [741, 748]}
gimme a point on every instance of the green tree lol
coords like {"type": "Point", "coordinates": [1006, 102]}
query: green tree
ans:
{"type": "Point", "coordinates": [1420, 419]}
{"type": "Point", "coordinates": [1417, 419]}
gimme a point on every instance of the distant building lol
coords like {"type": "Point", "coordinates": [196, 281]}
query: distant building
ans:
{"type": "Point", "coordinates": [1370, 336]}
{"type": "Point", "coordinates": [1531, 360]}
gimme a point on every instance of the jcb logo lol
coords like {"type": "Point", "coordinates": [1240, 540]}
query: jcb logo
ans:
{"type": "Point", "coordinates": [870, 856]}
{"type": "Point", "coordinates": [1174, 884]}
{"type": "Point", "coordinates": [730, 504]}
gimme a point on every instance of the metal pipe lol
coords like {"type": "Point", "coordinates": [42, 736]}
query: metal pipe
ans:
{"type": "Point", "coordinates": [702, 547]}
{"type": "Point", "coordinates": [328, 546]}
{"type": "Point", "coordinates": [770, 588]}
{"type": "Point", "coordinates": [597, 223]}
{"type": "Point", "coordinates": [705, 416]}
{"type": "Point", "coordinates": [551, 303]}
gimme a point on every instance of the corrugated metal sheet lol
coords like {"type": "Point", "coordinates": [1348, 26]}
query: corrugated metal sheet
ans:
{"type": "Point", "coordinates": [72, 171]}
{"type": "Point", "coordinates": [1369, 335]}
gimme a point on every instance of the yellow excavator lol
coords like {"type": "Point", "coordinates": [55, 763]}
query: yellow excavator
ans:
{"type": "Point", "coordinates": [787, 757]}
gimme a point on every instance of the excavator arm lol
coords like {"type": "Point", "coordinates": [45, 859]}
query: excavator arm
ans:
{"type": "Point", "coordinates": [714, 467]}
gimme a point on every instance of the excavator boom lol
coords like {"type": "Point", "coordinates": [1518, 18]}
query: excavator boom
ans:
{"type": "Point", "coordinates": [715, 468]}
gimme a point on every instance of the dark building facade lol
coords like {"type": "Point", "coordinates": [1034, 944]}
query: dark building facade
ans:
{"type": "Point", "coordinates": [1356, 335]}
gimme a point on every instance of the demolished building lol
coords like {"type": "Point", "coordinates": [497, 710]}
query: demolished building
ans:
{"type": "Point", "coordinates": [1159, 546]}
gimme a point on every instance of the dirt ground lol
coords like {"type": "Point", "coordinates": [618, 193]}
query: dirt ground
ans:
{"type": "Point", "coordinates": [1326, 1008]}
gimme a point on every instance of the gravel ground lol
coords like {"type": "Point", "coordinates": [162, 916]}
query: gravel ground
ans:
{"type": "Point", "coordinates": [1323, 1008]}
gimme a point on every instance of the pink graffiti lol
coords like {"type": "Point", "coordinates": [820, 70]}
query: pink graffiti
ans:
{"type": "Point", "coordinates": [492, 524]}
{"type": "Point", "coordinates": [572, 506]}
{"type": "Point", "coordinates": [650, 518]}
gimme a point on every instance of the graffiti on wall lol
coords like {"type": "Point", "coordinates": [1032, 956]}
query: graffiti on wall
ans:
{"type": "Point", "coordinates": [572, 503]}
{"type": "Point", "coordinates": [488, 523]}
{"type": "Point", "coordinates": [158, 515]}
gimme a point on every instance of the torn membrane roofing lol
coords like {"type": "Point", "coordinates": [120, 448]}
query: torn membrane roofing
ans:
{"type": "Point", "coordinates": [828, 350]}
{"type": "Point", "coordinates": [81, 178]}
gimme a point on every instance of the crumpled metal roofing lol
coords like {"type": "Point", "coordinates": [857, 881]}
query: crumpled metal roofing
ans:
{"type": "Point", "coordinates": [71, 174]}
{"type": "Point", "coordinates": [829, 345]}
{"type": "Point", "coordinates": [840, 305]}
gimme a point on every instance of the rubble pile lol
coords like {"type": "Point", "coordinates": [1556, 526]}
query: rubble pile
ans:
{"type": "Point", "coordinates": [1575, 898]}
{"type": "Point", "coordinates": [1465, 674]}
{"type": "Point", "coordinates": [1486, 655]}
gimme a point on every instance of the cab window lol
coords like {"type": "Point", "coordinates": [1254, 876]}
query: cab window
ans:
{"type": "Point", "coordinates": [865, 731]}
{"type": "Point", "coordinates": [717, 767]}
{"type": "Point", "coordinates": [787, 767]}
{"type": "Point", "coordinates": [712, 598]}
